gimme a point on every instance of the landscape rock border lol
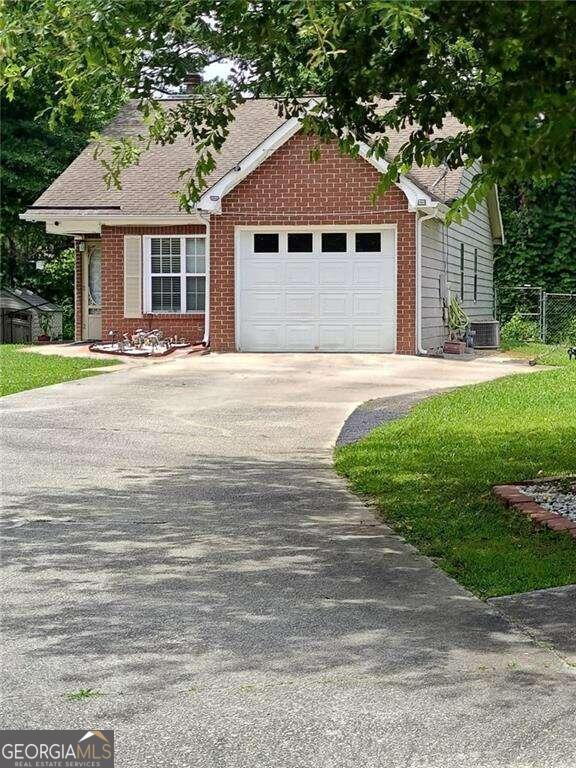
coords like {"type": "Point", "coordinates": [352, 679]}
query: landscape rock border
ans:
{"type": "Point", "coordinates": [512, 496]}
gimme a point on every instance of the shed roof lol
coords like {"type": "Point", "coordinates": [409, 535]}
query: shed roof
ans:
{"type": "Point", "coordinates": [22, 299]}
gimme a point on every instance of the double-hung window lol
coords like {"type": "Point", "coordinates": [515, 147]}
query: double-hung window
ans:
{"type": "Point", "coordinates": [175, 274]}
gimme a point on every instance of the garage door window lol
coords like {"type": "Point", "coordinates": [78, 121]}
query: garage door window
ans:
{"type": "Point", "coordinates": [266, 242]}
{"type": "Point", "coordinates": [368, 242]}
{"type": "Point", "coordinates": [333, 242]}
{"type": "Point", "coordinates": [300, 242]}
{"type": "Point", "coordinates": [176, 268]}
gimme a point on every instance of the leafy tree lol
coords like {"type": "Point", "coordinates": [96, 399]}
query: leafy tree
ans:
{"type": "Point", "coordinates": [33, 155]}
{"type": "Point", "coordinates": [55, 282]}
{"type": "Point", "coordinates": [506, 69]}
{"type": "Point", "coordinates": [540, 247]}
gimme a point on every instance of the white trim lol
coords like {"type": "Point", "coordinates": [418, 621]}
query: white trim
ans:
{"type": "Point", "coordinates": [237, 287]}
{"type": "Point", "coordinates": [316, 228]}
{"type": "Point", "coordinates": [495, 215]}
{"type": "Point", "coordinates": [92, 225]}
{"type": "Point", "coordinates": [412, 191]}
{"type": "Point", "coordinates": [147, 273]}
{"type": "Point", "coordinates": [211, 200]}
{"type": "Point", "coordinates": [85, 256]}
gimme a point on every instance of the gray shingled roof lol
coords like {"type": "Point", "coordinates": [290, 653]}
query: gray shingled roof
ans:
{"type": "Point", "coordinates": [147, 188]}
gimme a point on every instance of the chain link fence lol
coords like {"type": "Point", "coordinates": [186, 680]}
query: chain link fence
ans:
{"type": "Point", "coordinates": [553, 315]}
{"type": "Point", "coordinates": [559, 318]}
{"type": "Point", "coordinates": [524, 300]}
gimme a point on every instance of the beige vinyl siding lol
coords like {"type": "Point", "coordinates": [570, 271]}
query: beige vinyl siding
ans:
{"type": "Point", "coordinates": [132, 276]}
{"type": "Point", "coordinates": [441, 253]}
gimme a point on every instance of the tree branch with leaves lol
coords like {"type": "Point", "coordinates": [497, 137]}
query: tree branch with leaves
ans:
{"type": "Point", "coordinates": [506, 70]}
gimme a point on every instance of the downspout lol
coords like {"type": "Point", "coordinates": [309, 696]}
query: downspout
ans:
{"type": "Point", "coordinates": [419, 221]}
{"type": "Point", "coordinates": [206, 337]}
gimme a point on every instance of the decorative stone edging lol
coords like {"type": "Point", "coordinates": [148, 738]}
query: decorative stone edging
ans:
{"type": "Point", "coordinates": [512, 496]}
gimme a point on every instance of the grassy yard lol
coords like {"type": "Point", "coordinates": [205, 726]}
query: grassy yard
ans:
{"type": "Point", "coordinates": [25, 370]}
{"type": "Point", "coordinates": [543, 354]}
{"type": "Point", "coordinates": [430, 474]}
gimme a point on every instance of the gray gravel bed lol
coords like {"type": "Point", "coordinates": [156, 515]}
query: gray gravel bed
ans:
{"type": "Point", "coordinates": [373, 413]}
{"type": "Point", "coordinates": [554, 496]}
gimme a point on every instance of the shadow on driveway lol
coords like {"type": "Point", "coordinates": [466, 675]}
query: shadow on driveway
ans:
{"type": "Point", "coordinates": [238, 573]}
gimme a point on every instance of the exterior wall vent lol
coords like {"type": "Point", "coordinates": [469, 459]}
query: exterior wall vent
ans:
{"type": "Point", "coordinates": [487, 334]}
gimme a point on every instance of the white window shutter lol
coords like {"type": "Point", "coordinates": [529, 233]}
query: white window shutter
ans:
{"type": "Point", "coordinates": [132, 276]}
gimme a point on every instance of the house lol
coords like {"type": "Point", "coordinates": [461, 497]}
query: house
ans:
{"type": "Point", "coordinates": [280, 253]}
{"type": "Point", "coordinates": [26, 316]}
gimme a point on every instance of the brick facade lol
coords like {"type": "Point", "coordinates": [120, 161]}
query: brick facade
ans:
{"type": "Point", "coordinates": [287, 189]}
{"type": "Point", "coordinates": [290, 189]}
{"type": "Point", "coordinates": [190, 326]}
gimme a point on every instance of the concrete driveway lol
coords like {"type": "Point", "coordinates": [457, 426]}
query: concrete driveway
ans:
{"type": "Point", "coordinates": [176, 539]}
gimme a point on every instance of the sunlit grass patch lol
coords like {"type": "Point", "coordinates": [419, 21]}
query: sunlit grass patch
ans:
{"type": "Point", "coordinates": [21, 370]}
{"type": "Point", "coordinates": [431, 474]}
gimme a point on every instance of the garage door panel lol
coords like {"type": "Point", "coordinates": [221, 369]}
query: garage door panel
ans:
{"type": "Point", "coordinates": [334, 272]}
{"type": "Point", "coordinates": [367, 272]}
{"type": "Point", "coordinates": [368, 304]}
{"type": "Point", "coordinates": [388, 278]}
{"type": "Point", "coordinates": [389, 243]}
{"type": "Point", "coordinates": [301, 273]}
{"type": "Point", "coordinates": [302, 304]}
{"type": "Point", "coordinates": [262, 304]}
{"type": "Point", "coordinates": [333, 304]}
{"type": "Point", "coordinates": [369, 337]}
{"type": "Point", "coordinates": [334, 337]}
{"type": "Point", "coordinates": [262, 337]}
{"type": "Point", "coordinates": [301, 336]}
{"type": "Point", "coordinates": [262, 273]}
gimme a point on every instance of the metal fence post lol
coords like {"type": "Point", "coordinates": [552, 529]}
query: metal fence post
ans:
{"type": "Point", "coordinates": [544, 321]}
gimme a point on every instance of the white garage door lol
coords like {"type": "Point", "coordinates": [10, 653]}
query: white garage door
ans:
{"type": "Point", "coordinates": [306, 290]}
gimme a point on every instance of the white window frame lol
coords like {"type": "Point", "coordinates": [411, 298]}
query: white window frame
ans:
{"type": "Point", "coordinates": [147, 271]}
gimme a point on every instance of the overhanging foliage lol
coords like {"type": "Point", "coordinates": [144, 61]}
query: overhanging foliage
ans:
{"type": "Point", "coordinates": [505, 69]}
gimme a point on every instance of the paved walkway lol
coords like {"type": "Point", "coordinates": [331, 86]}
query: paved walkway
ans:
{"type": "Point", "coordinates": [549, 615]}
{"type": "Point", "coordinates": [82, 349]}
{"type": "Point", "coordinates": [176, 539]}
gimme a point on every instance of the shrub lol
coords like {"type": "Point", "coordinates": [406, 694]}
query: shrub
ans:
{"type": "Point", "coordinates": [67, 306]}
{"type": "Point", "coordinates": [518, 331]}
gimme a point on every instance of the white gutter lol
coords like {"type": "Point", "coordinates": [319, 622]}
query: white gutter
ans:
{"type": "Point", "coordinates": [206, 338]}
{"type": "Point", "coordinates": [419, 221]}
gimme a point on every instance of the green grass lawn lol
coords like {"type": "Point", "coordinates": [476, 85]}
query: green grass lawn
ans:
{"type": "Point", "coordinates": [25, 370]}
{"type": "Point", "coordinates": [543, 354]}
{"type": "Point", "coordinates": [431, 473]}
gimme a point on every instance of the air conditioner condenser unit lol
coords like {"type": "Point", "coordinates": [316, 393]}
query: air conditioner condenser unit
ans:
{"type": "Point", "coordinates": [487, 334]}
